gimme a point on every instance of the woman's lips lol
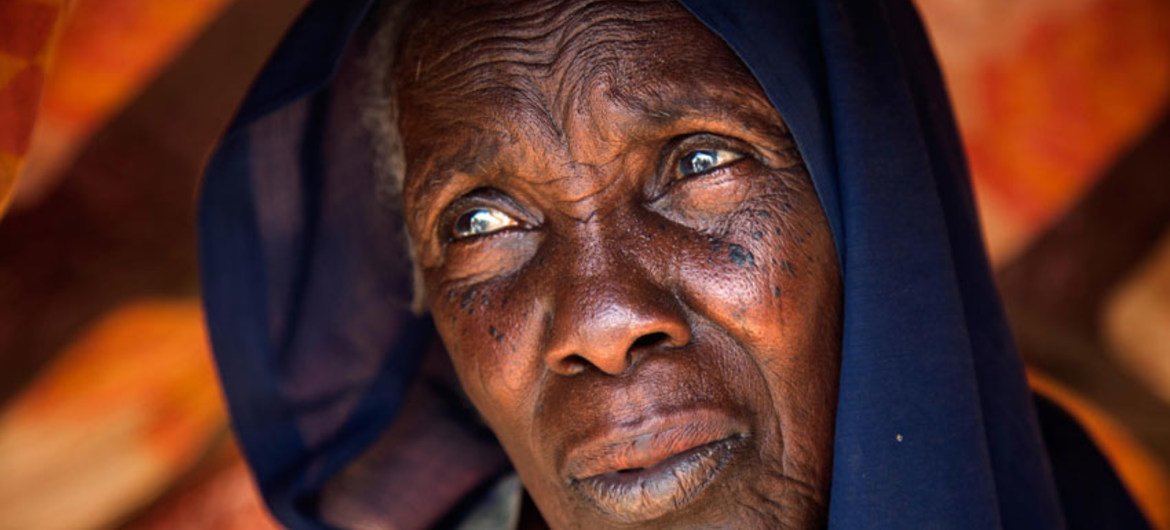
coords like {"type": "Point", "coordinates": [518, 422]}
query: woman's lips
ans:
{"type": "Point", "coordinates": [658, 465]}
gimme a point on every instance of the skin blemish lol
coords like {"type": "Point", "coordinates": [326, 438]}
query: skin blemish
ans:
{"type": "Point", "coordinates": [757, 235]}
{"type": "Point", "coordinates": [776, 291]}
{"type": "Point", "coordinates": [495, 333]}
{"type": "Point", "coordinates": [466, 300]}
{"type": "Point", "coordinates": [740, 256]}
{"type": "Point", "coordinates": [787, 266]}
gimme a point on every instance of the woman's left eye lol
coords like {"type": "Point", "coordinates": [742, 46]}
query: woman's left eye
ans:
{"type": "Point", "coordinates": [701, 161]}
{"type": "Point", "coordinates": [481, 221]}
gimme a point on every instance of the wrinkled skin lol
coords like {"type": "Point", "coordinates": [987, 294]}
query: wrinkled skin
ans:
{"type": "Point", "coordinates": [624, 257]}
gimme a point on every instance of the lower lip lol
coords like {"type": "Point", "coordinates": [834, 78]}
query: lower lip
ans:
{"type": "Point", "coordinates": [670, 485]}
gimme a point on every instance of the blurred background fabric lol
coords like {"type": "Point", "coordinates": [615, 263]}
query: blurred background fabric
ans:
{"type": "Point", "coordinates": [110, 412]}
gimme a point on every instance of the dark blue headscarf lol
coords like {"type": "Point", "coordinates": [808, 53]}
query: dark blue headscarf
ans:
{"type": "Point", "coordinates": [307, 282]}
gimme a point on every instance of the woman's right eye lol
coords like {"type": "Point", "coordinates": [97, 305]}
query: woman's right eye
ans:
{"type": "Point", "coordinates": [481, 221]}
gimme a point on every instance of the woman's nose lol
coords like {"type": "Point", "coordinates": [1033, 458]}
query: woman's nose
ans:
{"type": "Point", "coordinates": [609, 319]}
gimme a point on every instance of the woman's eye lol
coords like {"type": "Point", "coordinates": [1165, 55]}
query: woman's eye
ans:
{"type": "Point", "coordinates": [481, 221]}
{"type": "Point", "coordinates": [703, 160]}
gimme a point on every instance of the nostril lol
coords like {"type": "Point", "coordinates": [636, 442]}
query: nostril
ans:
{"type": "Point", "coordinates": [650, 340]}
{"type": "Point", "coordinates": [572, 364]}
{"type": "Point", "coordinates": [611, 351]}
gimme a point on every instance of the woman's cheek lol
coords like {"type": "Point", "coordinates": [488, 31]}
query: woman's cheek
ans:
{"type": "Point", "coordinates": [490, 344]}
{"type": "Point", "coordinates": [738, 276]}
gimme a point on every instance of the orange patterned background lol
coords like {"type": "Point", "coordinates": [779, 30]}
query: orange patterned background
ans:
{"type": "Point", "coordinates": [1047, 92]}
{"type": "Point", "coordinates": [25, 48]}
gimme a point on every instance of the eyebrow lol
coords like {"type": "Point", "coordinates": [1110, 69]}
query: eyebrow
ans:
{"type": "Point", "coordinates": [513, 105]}
{"type": "Point", "coordinates": [470, 155]}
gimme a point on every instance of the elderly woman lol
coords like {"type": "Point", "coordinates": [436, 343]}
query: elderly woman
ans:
{"type": "Point", "coordinates": [694, 264]}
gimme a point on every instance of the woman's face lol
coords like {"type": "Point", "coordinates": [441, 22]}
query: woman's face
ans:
{"type": "Point", "coordinates": [626, 260]}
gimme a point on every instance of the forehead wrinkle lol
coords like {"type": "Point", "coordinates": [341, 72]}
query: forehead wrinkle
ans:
{"type": "Point", "coordinates": [607, 58]}
{"type": "Point", "coordinates": [527, 40]}
{"type": "Point", "coordinates": [594, 50]}
{"type": "Point", "coordinates": [514, 114]}
{"type": "Point", "coordinates": [507, 54]}
{"type": "Point", "coordinates": [530, 27]}
{"type": "Point", "coordinates": [583, 190]}
{"type": "Point", "coordinates": [533, 38]}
